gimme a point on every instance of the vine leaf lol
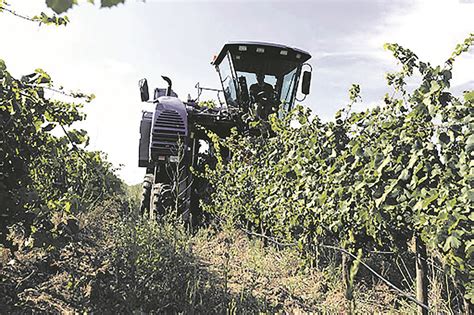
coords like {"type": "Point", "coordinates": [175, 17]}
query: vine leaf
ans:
{"type": "Point", "coordinates": [110, 3]}
{"type": "Point", "coordinates": [451, 242]}
{"type": "Point", "coordinates": [469, 96]}
{"type": "Point", "coordinates": [60, 6]}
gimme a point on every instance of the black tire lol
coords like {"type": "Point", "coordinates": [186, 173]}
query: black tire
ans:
{"type": "Point", "coordinates": [146, 194]}
{"type": "Point", "coordinates": [160, 201]}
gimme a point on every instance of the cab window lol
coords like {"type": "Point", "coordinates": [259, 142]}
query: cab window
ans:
{"type": "Point", "coordinates": [228, 82]}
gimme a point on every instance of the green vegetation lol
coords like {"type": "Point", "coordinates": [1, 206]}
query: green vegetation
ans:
{"type": "Point", "coordinates": [61, 6]}
{"type": "Point", "coordinates": [294, 211]}
{"type": "Point", "coordinates": [369, 181]}
{"type": "Point", "coordinates": [44, 176]}
{"type": "Point", "coordinates": [119, 263]}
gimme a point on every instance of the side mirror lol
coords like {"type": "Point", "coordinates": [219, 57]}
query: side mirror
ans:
{"type": "Point", "coordinates": [143, 84]}
{"type": "Point", "coordinates": [306, 82]}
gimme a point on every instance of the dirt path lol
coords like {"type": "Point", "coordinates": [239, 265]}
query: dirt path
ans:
{"type": "Point", "coordinates": [112, 264]}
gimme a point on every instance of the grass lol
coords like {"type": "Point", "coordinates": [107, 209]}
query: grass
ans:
{"type": "Point", "coordinates": [118, 263]}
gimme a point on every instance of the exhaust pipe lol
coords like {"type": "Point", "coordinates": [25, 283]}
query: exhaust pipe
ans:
{"type": "Point", "coordinates": [168, 80]}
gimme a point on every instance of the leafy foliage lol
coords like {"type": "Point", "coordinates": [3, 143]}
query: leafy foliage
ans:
{"type": "Point", "coordinates": [368, 180]}
{"type": "Point", "coordinates": [43, 174]}
{"type": "Point", "coordinates": [61, 6]}
{"type": "Point", "coordinates": [42, 18]}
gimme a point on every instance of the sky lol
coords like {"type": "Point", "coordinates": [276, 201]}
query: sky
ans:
{"type": "Point", "coordinates": [106, 51]}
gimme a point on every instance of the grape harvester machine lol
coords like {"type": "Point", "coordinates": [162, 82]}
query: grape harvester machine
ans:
{"type": "Point", "coordinates": [173, 137]}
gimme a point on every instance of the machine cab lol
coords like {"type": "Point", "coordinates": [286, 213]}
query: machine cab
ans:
{"type": "Point", "coordinates": [261, 73]}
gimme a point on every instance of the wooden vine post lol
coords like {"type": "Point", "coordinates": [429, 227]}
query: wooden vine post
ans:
{"type": "Point", "coordinates": [346, 278]}
{"type": "Point", "coordinates": [421, 275]}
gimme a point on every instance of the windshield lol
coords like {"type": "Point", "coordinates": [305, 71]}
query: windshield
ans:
{"type": "Point", "coordinates": [251, 79]}
{"type": "Point", "coordinates": [283, 87]}
{"type": "Point", "coordinates": [244, 78]}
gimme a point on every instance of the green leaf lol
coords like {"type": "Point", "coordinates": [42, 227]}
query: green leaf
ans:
{"type": "Point", "coordinates": [60, 6]}
{"type": "Point", "coordinates": [387, 191]}
{"type": "Point", "coordinates": [429, 200]}
{"type": "Point", "coordinates": [434, 87]}
{"type": "Point", "coordinates": [110, 3]}
{"type": "Point", "coordinates": [469, 247]}
{"type": "Point", "coordinates": [447, 75]}
{"type": "Point", "coordinates": [67, 207]}
{"type": "Point", "coordinates": [443, 137]}
{"type": "Point", "coordinates": [383, 164]}
{"type": "Point", "coordinates": [451, 242]}
{"type": "Point", "coordinates": [469, 96]}
{"type": "Point", "coordinates": [43, 76]}
{"type": "Point", "coordinates": [49, 127]}
{"type": "Point", "coordinates": [404, 175]}
{"type": "Point", "coordinates": [470, 144]}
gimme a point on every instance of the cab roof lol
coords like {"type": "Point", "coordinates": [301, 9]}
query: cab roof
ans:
{"type": "Point", "coordinates": [255, 52]}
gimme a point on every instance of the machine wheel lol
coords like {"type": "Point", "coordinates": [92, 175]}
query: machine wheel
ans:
{"type": "Point", "coordinates": [145, 202]}
{"type": "Point", "coordinates": [160, 201]}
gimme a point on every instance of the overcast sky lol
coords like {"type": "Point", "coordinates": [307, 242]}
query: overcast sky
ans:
{"type": "Point", "coordinates": [106, 51]}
